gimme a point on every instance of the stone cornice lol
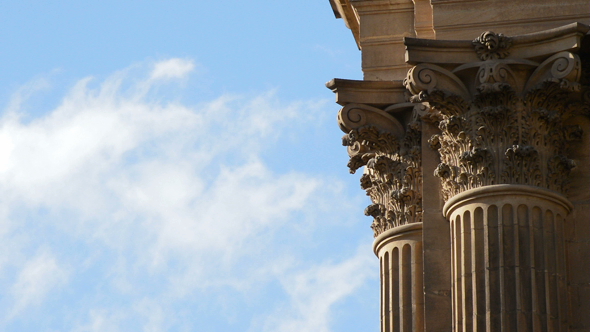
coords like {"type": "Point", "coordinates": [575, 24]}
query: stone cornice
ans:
{"type": "Point", "coordinates": [529, 46]}
{"type": "Point", "coordinates": [372, 7]}
{"type": "Point", "coordinates": [343, 9]}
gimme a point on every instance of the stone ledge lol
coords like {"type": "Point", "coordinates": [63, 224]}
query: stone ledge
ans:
{"type": "Point", "coordinates": [373, 93]}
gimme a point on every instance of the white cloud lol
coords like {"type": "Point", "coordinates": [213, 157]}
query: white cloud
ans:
{"type": "Point", "coordinates": [101, 320]}
{"type": "Point", "coordinates": [25, 92]}
{"type": "Point", "coordinates": [37, 278]}
{"type": "Point", "coordinates": [172, 202]}
{"type": "Point", "coordinates": [172, 68]}
{"type": "Point", "coordinates": [153, 314]}
{"type": "Point", "coordinates": [314, 291]}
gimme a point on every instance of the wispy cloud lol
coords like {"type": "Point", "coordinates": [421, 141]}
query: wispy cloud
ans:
{"type": "Point", "coordinates": [172, 68]}
{"type": "Point", "coordinates": [313, 292]}
{"type": "Point", "coordinates": [155, 204]}
{"type": "Point", "coordinates": [38, 277]}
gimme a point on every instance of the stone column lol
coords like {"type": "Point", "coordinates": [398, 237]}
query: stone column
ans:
{"type": "Point", "coordinates": [503, 105]}
{"type": "Point", "coordinates": [387, 142]}
{"type": "Point", "coordinates": [400, 258]}
{"type": "Point", "coordinates": [508, 261]}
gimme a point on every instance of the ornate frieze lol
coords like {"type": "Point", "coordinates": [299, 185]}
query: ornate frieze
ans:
{"type": "Point", "coordinates": [503, 120]}
{"type": "Point", "coordinates": [391, 155]}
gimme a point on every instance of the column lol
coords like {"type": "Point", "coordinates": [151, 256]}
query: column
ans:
{"type": "Point", "coordinates": [400, 257]}
{"type": "Point", "coordinates": [506, 110]}
{"type": "Point", "coordinates": [390, 152]}
{"type": "Point", "coordinates": [508, 260]}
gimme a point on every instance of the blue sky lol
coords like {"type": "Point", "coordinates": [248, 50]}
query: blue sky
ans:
{"type": "Point", "coordinates": [177, 166]}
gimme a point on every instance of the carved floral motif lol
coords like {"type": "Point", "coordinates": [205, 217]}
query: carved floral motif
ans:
{"type": "Point", "coordinates": [392, 176]}
{"type": "Point", "coordinates": [502, 133]}
{"type": "Point", "coordinates": [490, 46]}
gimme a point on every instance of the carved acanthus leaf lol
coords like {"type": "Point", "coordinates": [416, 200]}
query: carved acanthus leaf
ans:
{"type": "Point", "coordinates": [393, 173]}
{"type": "Point", "coordinates": [500, 133]}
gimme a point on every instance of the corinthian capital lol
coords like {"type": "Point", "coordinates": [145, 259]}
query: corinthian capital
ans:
{"type": "Point", "coordinates": [391, 155]}
{"type": "Point", "coordinates": [503, 120]}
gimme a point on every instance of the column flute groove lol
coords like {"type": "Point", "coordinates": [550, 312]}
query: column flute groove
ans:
{"type": "Point", "coordinates": [402, 303]}
{"type": "Point", "coordinates": [511, 265]}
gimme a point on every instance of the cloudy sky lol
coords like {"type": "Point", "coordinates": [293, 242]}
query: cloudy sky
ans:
{"type": "Point", "coordinates": [177, 166]}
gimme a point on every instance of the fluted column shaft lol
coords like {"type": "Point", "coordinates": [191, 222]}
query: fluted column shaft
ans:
{"type": "Point", "coordinates": [508, 260]}
{"type": "Point", "coordinates": [402, 297]}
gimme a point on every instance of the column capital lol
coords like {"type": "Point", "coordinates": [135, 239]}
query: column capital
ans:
{"type": "Point", "coordinates": [384, 135]}
{"type": "Point", "coordinates": [503, 106]}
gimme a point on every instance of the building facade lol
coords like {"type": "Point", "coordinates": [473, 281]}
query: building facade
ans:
{"type": "Point", "coordinates": [472, 130]}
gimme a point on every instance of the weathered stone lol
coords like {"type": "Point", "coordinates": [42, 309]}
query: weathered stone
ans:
{"type": "Point", "coordinates": [472, 126]}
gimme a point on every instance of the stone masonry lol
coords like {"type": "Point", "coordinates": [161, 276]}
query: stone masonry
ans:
{"type": "Point", "coordinates": [471, 129]}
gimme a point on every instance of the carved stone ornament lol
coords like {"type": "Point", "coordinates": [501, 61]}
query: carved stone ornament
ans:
{"type": "Point", "coordinates": [502, 121]}
{"type": "Point", "coordinates": [490, 46]}
{"type": "Point", "coordinates": [392, 159]}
